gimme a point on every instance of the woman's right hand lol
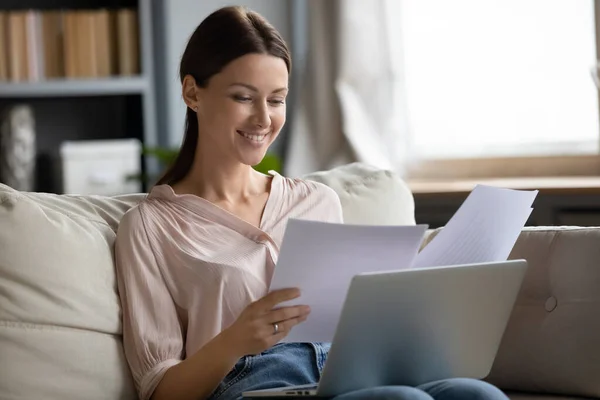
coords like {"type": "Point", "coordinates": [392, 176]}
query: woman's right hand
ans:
{"type": "Point", "coordinates": [254, 330]}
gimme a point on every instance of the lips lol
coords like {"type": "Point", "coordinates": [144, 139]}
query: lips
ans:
{"type": "Point", "coordinates": [254, 137]}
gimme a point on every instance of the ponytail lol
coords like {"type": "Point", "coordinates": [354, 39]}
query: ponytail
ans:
{"type": "Point", "coordinates": [185, 159]}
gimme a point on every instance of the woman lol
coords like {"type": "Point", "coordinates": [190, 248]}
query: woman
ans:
{"type": "Point", "coordinates": [195, 258]}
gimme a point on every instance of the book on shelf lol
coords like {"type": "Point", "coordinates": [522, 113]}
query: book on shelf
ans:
{"type": "Point", "coordinates": [38, 45]}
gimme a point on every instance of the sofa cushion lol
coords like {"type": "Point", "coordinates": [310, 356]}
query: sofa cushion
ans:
{"type": "Point", "coordinates": [59, 362]}
{"type": "Point", "coordinates": [60, 316]}
{"type": "Point", "coordinates": [552, 342]}
{"type": "Point", "coordinates": [370, 195]}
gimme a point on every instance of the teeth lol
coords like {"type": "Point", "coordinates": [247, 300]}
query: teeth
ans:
{"type": "Point", "coordinates": [254, 138]}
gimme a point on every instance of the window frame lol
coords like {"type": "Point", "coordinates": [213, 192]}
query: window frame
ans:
{"type": "Point", "coordinates": [514, 166]}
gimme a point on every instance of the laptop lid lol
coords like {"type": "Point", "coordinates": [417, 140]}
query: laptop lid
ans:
{"type": "Point", "coordinates": [416, 326]}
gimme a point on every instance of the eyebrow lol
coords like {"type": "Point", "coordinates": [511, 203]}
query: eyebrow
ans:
{"type": "Point", "coordinates": [254, 89]}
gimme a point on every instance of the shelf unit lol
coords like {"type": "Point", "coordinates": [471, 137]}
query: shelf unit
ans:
{"type": "Point", "coordinates": [88, 109]}
{"type": "Point", "coordinates": [75, 87]}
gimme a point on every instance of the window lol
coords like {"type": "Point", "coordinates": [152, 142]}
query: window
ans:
{"type": "Point", "coordinates": [499, 78]}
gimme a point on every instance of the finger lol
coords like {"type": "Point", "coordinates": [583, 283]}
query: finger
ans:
{"type": "Point", "coordinates": [287, 325]}
{"type": "Point", "coordinates": [278, 296]}
{"type": "Point", "coordinates": [283, 330]}
{"type": "Point", "coordinates": [285, 313]}
{"type": "Point", "coordinates": [266, 303]}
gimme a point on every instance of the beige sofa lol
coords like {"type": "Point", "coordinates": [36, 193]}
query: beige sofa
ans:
{"type": "Point", "coordinates": [60, 331]}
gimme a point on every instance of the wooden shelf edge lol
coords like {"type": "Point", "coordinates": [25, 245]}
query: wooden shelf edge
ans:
{"type": "Point", "coordinates": [75, 87]}
{"type": "Point", "coordinates": [554, 185]}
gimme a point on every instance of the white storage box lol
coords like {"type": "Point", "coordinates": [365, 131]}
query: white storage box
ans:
{"type": "Point", "coordinates": [102, 167]}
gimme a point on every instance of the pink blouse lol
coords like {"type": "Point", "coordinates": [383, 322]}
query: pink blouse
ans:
{"type": "Point", "coordinates": [186, 268]}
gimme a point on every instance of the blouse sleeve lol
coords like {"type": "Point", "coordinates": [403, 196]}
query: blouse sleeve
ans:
{"type": "Point", "coordinates": [328, 206]}
{"type": "Point", "coordinates": [152, 332]}
{"type": "Point", "coordinates": [335, 212]}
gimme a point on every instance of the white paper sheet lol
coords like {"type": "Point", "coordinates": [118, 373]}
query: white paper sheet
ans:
{"type": "Point", "coordinates": [484, 229]}
{"type": "Point", "coordinates": [321, 259]}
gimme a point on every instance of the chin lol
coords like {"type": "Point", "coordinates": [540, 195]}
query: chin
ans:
{"type": "Point", "coordinates": [252, 160]}
{"type": "Point", "coordinates": [252, 157]}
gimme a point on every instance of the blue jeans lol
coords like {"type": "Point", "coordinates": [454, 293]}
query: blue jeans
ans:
{"type": "Point", "coordinates": [293, 364]}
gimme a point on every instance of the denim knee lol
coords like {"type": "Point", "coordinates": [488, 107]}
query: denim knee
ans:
{"type": "Point", "coordinates": [463, 389]}
{"type": "Point", "coordinates": [386, 393]}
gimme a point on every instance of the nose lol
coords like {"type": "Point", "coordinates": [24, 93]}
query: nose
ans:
{"type": "Point", "coordinates": [261, 117]}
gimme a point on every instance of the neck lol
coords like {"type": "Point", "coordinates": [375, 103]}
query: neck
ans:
{"type": "Point", "coordinates": [221, 181]}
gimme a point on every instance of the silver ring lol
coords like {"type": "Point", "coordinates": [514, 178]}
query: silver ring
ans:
{"type": "Point", "coordinates": [275, 329]}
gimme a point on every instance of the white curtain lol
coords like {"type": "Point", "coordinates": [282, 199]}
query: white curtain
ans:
{"type": "Point", "coordinates": [352, 105]}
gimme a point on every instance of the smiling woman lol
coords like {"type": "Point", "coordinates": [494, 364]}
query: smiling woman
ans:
{"type": "Point", "coordinates": [240, 111]}
{"type": "Point", "coordinates": [230, 91]}
{"type": "Point", "coordinates": [195, 258]}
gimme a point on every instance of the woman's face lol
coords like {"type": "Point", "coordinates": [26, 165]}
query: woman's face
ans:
{"type": "Point", "coordinates": [242, 109]}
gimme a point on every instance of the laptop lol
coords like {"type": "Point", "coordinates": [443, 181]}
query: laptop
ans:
{"type": "Point", "coordinates": [416, 326]}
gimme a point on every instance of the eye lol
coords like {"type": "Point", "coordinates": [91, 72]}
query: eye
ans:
{"type": "Point", "coordinates": [277, 102]}
{"type": "Point", "coordinates": [241, 98]}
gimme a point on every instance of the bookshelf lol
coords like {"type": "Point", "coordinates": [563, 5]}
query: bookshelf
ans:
{"type": "Point", "coordinates": [75, 87]}
{"type": "Point", "coordinates": [103, 89]}
{"type": "Point", "coordinates": [146, 105]}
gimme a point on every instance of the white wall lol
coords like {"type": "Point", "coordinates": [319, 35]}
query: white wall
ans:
{"type": "Point", "coordinates": [179, 18]}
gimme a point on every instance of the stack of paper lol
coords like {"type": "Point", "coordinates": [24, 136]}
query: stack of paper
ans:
{"type": "Point", "coordinates": [321, 258]}
{"type": "Point", "coordinates": [484, 228]}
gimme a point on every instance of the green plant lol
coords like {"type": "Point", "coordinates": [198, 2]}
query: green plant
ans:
{"type": "Point", "coordinates": [166, 156]}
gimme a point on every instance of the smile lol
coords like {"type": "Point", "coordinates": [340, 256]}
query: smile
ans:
{"type": "Point", "coordinates": [255, 138]}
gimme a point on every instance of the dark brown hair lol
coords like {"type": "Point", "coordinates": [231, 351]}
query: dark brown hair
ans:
{"type": "Point", "coordinates": [226, 34]}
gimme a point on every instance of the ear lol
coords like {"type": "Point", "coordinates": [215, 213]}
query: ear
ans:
{"type": "Point", "coordinates": [189, 92]}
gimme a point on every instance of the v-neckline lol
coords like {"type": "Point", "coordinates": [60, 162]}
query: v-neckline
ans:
{"type": "Point", "coordinates": [219, 214]}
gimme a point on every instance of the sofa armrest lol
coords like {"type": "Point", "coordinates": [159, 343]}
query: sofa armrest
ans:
{"type": "Point", "coordinates": [552, 342]}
